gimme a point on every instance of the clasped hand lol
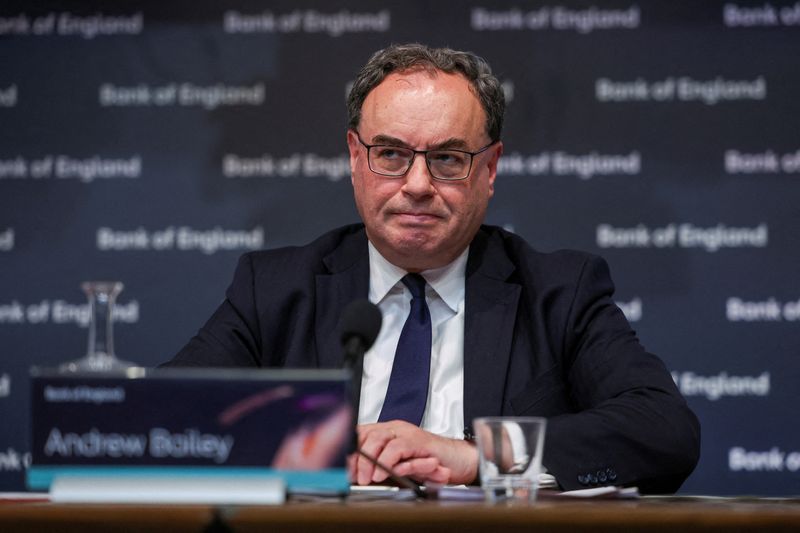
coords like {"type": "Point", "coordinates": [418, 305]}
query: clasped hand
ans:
{"type": "Point", "coordinates": [412, 452]}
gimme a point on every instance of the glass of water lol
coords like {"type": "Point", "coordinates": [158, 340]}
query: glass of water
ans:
{"type": "Point", "coordinates": [510, 451]}
{"type": "Point", "coordinates": [100, 356]}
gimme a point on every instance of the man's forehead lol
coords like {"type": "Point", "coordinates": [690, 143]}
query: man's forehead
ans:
{"type": "Point", "coordinates": [423, 75]}
{"type": "Point", "coordinates": [425, 94]}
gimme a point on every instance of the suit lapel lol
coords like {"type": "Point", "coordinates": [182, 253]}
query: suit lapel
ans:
{"type": "Point", "coordinates": [491, 310]}
{"type": "Point", "coordinates": [346, 280]}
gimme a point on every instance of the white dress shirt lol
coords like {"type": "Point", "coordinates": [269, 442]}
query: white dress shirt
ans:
{"type": "Point", "coordinates": [444, 293]}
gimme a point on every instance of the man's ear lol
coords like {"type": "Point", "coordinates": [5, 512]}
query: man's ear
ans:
{"type": "Point", "coordinates": [353, 145]}
{"type": "Point", "coordinates": [497, 151]}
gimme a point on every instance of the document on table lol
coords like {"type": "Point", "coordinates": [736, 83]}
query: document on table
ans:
{"type": "Point", "coordinates": [474, 493]}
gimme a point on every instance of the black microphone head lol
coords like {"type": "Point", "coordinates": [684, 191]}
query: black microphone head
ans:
{"type": "Point", "coordinates": [361, 319]}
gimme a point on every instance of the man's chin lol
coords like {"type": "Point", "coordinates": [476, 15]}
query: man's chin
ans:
{"type": "Point", "coordinates": [410, 246]}
{"type": "Point", "coordinates": [419, 253]}
{"type": "Point", "coordinates": [415, 238]}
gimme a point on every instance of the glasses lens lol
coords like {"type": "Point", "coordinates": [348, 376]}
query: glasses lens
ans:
{"type": "Point", "coordinates": [390, 160]}
{"type": "Point", "coordinates": [449, 164]}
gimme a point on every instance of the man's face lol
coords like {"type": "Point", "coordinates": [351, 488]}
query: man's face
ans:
{"type": "Point", "coordinates": [416, 222]}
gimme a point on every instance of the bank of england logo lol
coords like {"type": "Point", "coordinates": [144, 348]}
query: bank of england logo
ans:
{"type": "Point", "coordinates": [722, 385]}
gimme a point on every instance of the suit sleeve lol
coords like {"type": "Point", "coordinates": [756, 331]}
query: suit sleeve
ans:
{"type": "Point", "coordinates": [230, 338]}
{"type": "Point", "coordinates": [632, 426]}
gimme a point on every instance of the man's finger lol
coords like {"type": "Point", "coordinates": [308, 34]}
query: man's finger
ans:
{"type": "Point", "coordinates": [395, 452]}
{"type": "Point", "coordinates": [375, 440]}
{"type": "Point", "coordinates": [426, 469]}
{"type": "Point", "coordinates": [418, 468]}
{"type": "Point", "coordinates": [441, 475]}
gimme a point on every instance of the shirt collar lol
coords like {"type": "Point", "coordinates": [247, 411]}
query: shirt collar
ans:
{"type": "Point", "coordinates": [447, 281]}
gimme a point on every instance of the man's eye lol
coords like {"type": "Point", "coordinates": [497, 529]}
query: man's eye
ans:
{"type": "Point", "coordinates": [448, 158]}
{"type": "Point", "coordinates": [389, 153]}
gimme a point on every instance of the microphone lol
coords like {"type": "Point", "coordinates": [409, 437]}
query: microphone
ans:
{"type": "Point", "coordinates": [358, 329]}
{"type": "Point", "coordinates": [360, 325]}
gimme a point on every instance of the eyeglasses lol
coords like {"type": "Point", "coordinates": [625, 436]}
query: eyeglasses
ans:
{"type": "Point", "coordinates": [395, 161]}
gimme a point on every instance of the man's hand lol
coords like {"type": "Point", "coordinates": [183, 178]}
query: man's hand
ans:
{"type": "Point", "coordinates": [413, 452]}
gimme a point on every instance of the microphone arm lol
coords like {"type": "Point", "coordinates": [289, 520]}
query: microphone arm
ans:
{"type": "Point", "coordinates": [354, 350]}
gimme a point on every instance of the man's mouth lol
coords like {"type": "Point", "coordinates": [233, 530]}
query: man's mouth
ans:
{"type": "Point", "coordinates": [416, 217]}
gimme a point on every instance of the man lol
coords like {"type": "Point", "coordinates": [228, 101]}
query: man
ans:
{"type": "Point", "coordinates": [504, 330]}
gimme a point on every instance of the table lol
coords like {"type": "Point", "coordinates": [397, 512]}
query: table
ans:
{"type": "Point", "coordinates": [684, 515]}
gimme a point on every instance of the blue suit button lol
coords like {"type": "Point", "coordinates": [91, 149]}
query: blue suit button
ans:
{"type": "Point", "coordinates": [592, 479]}
{"type": "Point", "coordinates": [612, 474]}
{"type": "Point", "coordinates": [601, 476]}
{"type": "Point", "coordinates": [583, 480]}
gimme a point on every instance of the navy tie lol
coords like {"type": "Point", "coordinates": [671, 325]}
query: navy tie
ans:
{"type": "Point", "coordinates": [408, 384]}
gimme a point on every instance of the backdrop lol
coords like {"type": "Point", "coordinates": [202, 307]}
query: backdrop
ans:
{"type": "Point", "coordinates": [153, 143]}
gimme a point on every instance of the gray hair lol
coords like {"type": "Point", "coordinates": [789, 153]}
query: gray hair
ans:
{"type": "Point", "coordinates": [402, 57]}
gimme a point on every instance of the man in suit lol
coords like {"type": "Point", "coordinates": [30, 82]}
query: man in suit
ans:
{"type": "Point", "coordinates": [494, 327]}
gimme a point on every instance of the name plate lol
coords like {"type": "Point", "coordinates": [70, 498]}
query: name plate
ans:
{"type": "Point", "coordinates": [296, 425]}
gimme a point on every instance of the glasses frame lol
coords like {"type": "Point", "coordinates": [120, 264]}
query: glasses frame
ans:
{"type": "Point", "coordinates": [425, 153]}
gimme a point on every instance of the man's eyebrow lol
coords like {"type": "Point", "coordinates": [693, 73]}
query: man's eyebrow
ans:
{"type": "Point", "coordinates": [388, 140]}
{"type": "Point", "coordinates": [451, 143]}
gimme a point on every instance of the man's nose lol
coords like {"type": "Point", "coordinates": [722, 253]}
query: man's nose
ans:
{"type": "Point", "coordinates": [419, 181]}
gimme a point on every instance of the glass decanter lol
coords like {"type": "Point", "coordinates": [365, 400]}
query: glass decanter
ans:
{"type": "Point", "coordinates": [100, 353]}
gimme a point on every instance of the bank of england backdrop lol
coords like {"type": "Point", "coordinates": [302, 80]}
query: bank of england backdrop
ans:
{"type": "Point", "coordinates": [153, 143]}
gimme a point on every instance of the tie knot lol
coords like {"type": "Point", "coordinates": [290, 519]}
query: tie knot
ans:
{"type": "Point", "coordinates": [415, 284]}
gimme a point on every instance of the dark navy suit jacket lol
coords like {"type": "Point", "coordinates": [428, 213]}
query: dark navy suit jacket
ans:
{"type": "Point", "coordinates": [542, 337]}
